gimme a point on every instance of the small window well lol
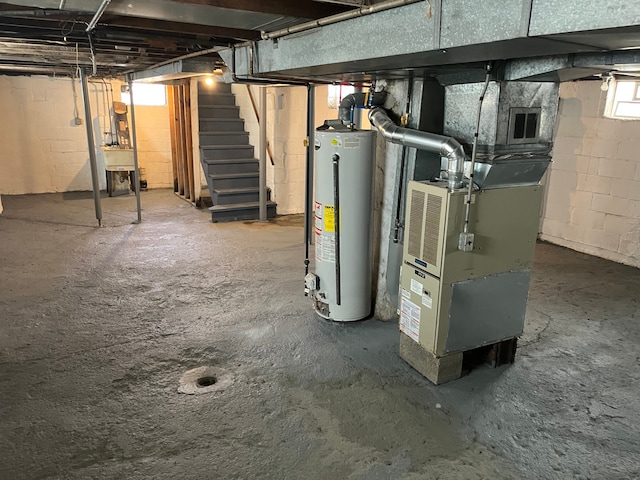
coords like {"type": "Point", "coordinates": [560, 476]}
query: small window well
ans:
{"type": "Point", "coordinates": [337, 93]}
{"type": "Point", "coordinates": [145, 94]}
{"type": "Point", "coordinates": [524, 125]}
{"type": "Point", "coordinates": [623, 99]}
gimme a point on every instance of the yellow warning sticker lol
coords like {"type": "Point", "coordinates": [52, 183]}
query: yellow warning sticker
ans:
{"type": "Point", "coordinates": [329, 218]}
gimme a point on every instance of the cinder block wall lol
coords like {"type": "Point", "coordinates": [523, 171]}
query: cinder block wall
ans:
{"type": "Point", "coordinates": [593, 187]}
{"type": "Point", "coordinates": [44, 151]}
{"type": "Point", "coordinates": [286, 131]}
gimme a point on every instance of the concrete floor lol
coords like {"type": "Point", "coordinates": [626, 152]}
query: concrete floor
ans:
{"type": "Point", "coordinates": [97, 327]}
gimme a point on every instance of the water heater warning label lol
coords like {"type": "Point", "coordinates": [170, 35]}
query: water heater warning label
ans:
{"type": "Point", "coordinates": [410, 318]}
{"type": "Point", "coordinates": [329, 218]}
{"type": "Point", "coordinates": [325, 248]}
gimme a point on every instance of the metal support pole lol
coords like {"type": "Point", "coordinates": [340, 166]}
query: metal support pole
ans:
{"type": "Point", "coordinates": [263, 154]}
{"type": "Point", "coordinates": [336, 223]}
{"type": "Point", "coordinates": [92, 147]}
{"type": "Point", "coordinates": [134, 139]}
{"type": "Point", "coordinates": [357, 113]}
{"type": "Point", "coordinates": [308, 185]}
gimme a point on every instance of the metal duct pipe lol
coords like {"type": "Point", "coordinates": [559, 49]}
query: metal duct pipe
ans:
{"type": "Point", "coordinates": [446, 146]}
{"type": "Point", "coordinates": [340, 17]}
{"type": "Point", "coordinates": [94, 21]}
{"type": "Point", "coordinates": [357, 99]}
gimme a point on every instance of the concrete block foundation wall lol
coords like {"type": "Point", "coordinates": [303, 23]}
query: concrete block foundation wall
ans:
{"type": "Point", "coordinates": [43, 150]}
{"type": "Point", "coordinates": [593, 187]}
{"type": "Point", "coordinates": [286, 131]}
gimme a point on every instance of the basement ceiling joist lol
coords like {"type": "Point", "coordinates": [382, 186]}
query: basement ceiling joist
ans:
{"type": "Point", "coordinates": [133, 35]}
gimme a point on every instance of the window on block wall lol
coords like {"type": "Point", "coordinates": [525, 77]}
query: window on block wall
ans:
{"type": "Point", "coordinates": [623, 99]}
{"type": "Point", "coordinates": [337, 93]}
{"type": "Point", "coordinates": [146, 94]}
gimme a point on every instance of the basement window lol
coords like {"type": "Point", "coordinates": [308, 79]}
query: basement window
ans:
{"type": "Point", "coordinates": [524, 125]}
{"type": "Point", "coordinates": [145, 94]}
{"type": "Point", "coordinates": [337, 93]}
{"type": "Point", "coordinates": [623, 99]}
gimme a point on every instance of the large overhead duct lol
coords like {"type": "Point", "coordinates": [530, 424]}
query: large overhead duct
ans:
{"type": "Point", "coordinates": [445, 146]}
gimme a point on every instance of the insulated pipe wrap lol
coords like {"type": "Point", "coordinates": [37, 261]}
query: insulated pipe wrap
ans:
{"type": "Point", "coordinates": [445, 146]}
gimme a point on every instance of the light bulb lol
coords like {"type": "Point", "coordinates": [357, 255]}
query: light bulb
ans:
{"type": "Point", "coordinates": [209, 81]}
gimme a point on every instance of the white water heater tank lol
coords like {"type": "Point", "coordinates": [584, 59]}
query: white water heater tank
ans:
{"type": "Point", "coordinates": [344, 173]}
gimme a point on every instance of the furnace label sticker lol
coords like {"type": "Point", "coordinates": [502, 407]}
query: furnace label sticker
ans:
{"type": "Point", "coordinates": [336, 142]}
{"type": "Point", "coordinates": [405, 293]}
{"type": "Point", "coordinates": [410, 319]}
{"type": "Point", "coordinates": [318, 209]}
{"type": "Point", "coordinates": [416, 287]}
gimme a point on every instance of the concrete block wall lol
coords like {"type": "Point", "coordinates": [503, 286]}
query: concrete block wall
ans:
{"type": "Point", "coordinates": [592, 201]}
{"type": "Point", "coordinates": [286, 131]}
{"type": "Point", "coordinates": [43, 150]}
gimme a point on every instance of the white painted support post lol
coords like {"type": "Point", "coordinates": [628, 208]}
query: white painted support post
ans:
{"type": "Point", "coordinates": [263, 154]}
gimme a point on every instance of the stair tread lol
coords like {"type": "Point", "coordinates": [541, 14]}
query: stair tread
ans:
{"type": "Point", "coordinates": [223, 132]}
{"type": "Point", "coordinates": [222, 147]}
{"type": "Point", "coordinates": [238, 206]}
{"type": "Point", "coordinates": [226, 161]}
{"type": "Point", "coordinates": [219, 176]}
{"type": "Point", "coordinates": [230, 191]}
{"type": "Point", "coordinates": [221, 119]}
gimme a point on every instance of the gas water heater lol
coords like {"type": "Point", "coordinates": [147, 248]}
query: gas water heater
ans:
{"type": "Point", "coordinates": [343, 213]}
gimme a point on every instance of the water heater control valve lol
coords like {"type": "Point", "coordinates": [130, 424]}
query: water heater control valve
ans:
{"type": "Point", "coordinates": [311, 283]}
{"type": "Point", "coordinates": [465, 242]}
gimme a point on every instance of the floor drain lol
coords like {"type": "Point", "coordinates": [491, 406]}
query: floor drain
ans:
{"type": "Point", "coordinates": [204, 380]}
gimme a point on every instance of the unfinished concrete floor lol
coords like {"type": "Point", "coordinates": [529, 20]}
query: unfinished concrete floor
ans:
{"type": "Point", "coordinates": [97, 326]}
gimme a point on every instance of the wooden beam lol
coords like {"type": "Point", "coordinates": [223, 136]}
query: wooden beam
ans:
{"type": "Point", "coordinates": [290, 8]}
{"type": "Point", "coordinates": [183, 138]}
{"type": "Point", "coordinates": [255, 111]}
{"type": "Point", "coordinates": [186, 88]}
{"type": "Point", "coordinates": [172, 129]}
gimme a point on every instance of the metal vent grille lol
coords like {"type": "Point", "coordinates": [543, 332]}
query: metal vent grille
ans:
{"type": "Point", "coordinates": [416, 215]}
{"type": "Point", "coordinates": [432, 230]}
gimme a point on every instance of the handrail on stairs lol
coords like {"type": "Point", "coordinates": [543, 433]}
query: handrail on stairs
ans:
{"type": "Point", "coordinates": [255, 111]}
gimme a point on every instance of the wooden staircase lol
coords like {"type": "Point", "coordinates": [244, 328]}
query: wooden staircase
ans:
{"type": "Point", "coordinates": [227, 158]}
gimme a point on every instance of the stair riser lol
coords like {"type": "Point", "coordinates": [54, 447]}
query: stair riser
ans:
{"type": "Point", "coordinates": [226, 153]}
{"type": "Point", "coordinates": [236, 198]}
{"type": "Point", "coordinates": [224, 139]}
{"type": "Point", "coordinates": [213, 125]}
{"type": "Point", "coordinates": [219, 112]}
{"type": "Point", "coordinates": [240, 182]}
{"type": "Point", "coordinates": [212, 100]}
{"type": "Point", "coordinates": [217, 87]}
{"type": "Point", "coordinates": [227, 168]}
{"type": "Point", "coordinates": [244, 214]}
